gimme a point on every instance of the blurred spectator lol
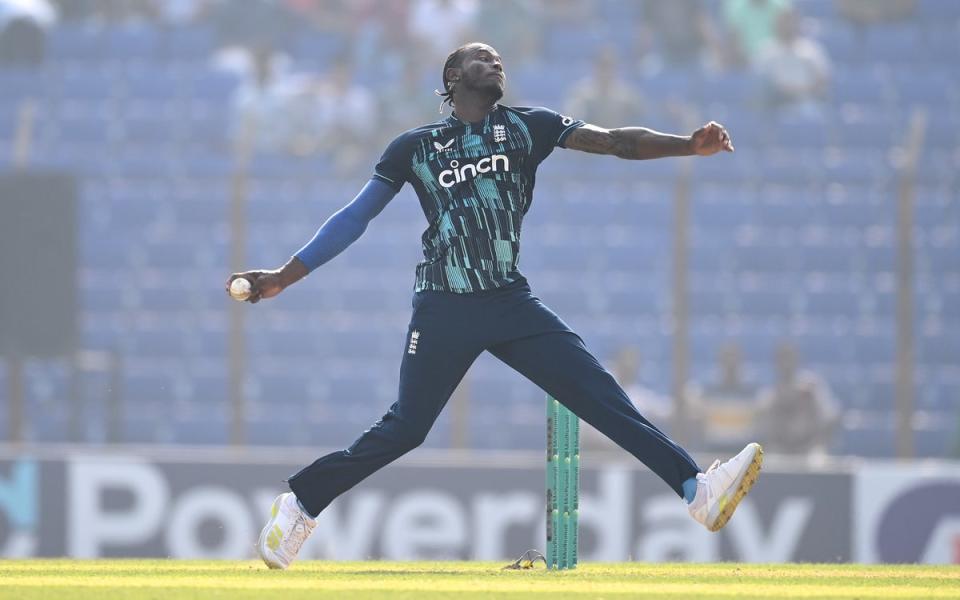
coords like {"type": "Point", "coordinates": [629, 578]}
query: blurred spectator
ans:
{"type": "Point", "coordinates": [725, 410]}
{"type": "Point", "coordinates": [382, 43]}
{"type": "Point", "coordinates": [257, 23]}
{"type": "Point", "coordinates": [604, 98]}
{"type": "Point", "coordinates": [517, 38]}
{"type": "Point", "coordinates": [117, 12]}
{"type": "Point", "coordinates": [795, 69]}
{"type": "Point", "coordinates": [328, 16]}
{"type": "Point", "coordinates": [571, 12]}
{"type": "Point", "coordinates": [676, 34]}
{"type": "Point", "coordinates": [345, 115]}
{"type": "Point", "coordinates": [262, 115]}
{"type": "Point", "coordinates": [871, 12]}
{"type": "Point", "coordinates": [442, 25]}
{"type": "Point", "coordinates": [751, 24]}
{"type": "Point", "coordinates": [23, 27]}
{"type": "Point", "coordinates": [408, 101]}
{"type": "Point", "coordinates": [181, 12]}
{"type": "Point", "coordinates": [655, 407]}
{"type": "Point", "coordinates": [798, 413]}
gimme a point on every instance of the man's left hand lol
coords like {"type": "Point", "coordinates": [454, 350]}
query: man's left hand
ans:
{"type": "Point", "coordinates": [710, 139]}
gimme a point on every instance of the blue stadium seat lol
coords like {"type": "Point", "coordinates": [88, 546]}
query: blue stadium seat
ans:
{"type": "Point", "coordinates": [792, 237]}
{"type": "Point", "coordinates": [941, 40]}
{"type": "Point", "coordinates": [832, 303]}
{"type": "Point", "coordinates": [874, 348]}
{"type": "Point", "coordinates": [942, 349]}
{"type": "Point", "coordinates": [873, 441]}
{"type": "Point", "coordinates": [210, 85]}
{"type": "Point", "coordinates": [76, 42]}
{"type": "Point", "coordinates": [841, 42]}
{"type": "Point", "coordinates": [797, 134]}
{"type": "Point", "coordinates": [132, 42]}
{"type": "Point", "coordinates": [924, 86]}
{"type": "Point", "coordinates": [318, 49]}
{"type": "Point", "coordinates": [732, 88]}
{"type": "Point", "coordinates": [938, 440]}
{"type": "Point", "coordinates": [159, 84]}
{"type": "Point", "coordinates": [819, 9]}
{"type": "Point", "coordinates": [767, 302]}
{"type": "Point", "coordinates": [673, 84]}
{"type": "Point", "coordinates": [767, 258]}
{"type": "Point", "coordinates": [91, 84]}
{"type": "Point", "coordinates": [940, 11]}
{"type": "Point", "coordinates": [86, 131]}
{"type": "Point", "coordinates": [201, 432]}
{"type": "Point", "coordinates": [191, 44]}
{"type": "Point", "coordinates": [893, 44]}
{"type": "Point", "coordinates": [20, 83]}
{"type": "Point", "coordinates": [854, 169]}
{"type": "Point", "coordinates": [860, 86]}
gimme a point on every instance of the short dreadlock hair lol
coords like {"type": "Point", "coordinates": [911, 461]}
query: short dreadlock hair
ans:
{"type": "Point", "coordinates": [454, 60]}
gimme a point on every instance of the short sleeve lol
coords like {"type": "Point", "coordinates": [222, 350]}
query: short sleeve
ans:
{"type": "Point", "coordinates": [548, 128]}
{"type": "Point", "coordinates": [394, 166]}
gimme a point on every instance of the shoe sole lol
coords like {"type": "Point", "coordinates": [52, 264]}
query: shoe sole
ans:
{"type": "Point", "coordinates": [262, 540]}
{"type": "Point", "coordinates": [749, 478]}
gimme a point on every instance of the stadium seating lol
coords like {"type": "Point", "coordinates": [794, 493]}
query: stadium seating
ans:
{"type": "Point", "coordinates": [793, 238]}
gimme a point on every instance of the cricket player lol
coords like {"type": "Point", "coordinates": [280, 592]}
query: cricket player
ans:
{"type": "Point", "coordinates": [474, 174]}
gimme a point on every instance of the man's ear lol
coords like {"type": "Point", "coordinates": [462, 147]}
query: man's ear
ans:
{"type": "Point", "coordinates": [453, 74]}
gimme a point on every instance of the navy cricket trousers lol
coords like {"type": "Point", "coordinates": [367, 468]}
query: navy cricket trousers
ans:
{"type": "Point", "coordinates": [447, 333]}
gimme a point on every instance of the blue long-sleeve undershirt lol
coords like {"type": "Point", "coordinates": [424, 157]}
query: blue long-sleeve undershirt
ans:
{"type": "Point", "coordinates": [346, 225]}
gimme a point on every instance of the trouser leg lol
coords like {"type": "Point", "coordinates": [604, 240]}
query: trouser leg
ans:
{"type": "Point", "coordinates": [431, 369]}
{"type": "Point", "coordinates": [561, 365]}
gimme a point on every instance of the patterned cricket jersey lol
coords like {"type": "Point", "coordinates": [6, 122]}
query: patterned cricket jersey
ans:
{"type": "Point", "coordinates": [475, 183]}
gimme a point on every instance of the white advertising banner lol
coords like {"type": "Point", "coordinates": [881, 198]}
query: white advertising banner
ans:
{"type": "Point", "coordinates": [441, 505]}
{"type": "Point", "coordinates": [907, 513]}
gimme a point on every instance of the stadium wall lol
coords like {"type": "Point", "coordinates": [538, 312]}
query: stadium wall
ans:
{"type": "Point", "coordinates": [209, 503]}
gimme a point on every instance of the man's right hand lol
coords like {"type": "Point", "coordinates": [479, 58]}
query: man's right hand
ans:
{"type": "Point", "coordinates": [267, 284]}
{"type": "Point", "coordinates": [264, 284]}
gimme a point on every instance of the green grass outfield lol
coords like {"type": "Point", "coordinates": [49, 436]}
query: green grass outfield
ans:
{"type": "Point", "coordinates": [108, 579]}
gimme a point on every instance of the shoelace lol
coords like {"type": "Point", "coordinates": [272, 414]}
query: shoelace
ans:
{"type": "Point", "coordinates": [297, 537]}
{"type": "Point", "coordinates": [715, 464]}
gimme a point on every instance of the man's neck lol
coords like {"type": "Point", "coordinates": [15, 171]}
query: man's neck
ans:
{"type": "Point", "coordinates": [472, 109]}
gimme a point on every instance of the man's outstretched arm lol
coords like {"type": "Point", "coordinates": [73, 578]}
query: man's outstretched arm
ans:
{"type": "Point", "coordinates": [640, 143]}
{"type": "Point", "coordinates": [333, 237]}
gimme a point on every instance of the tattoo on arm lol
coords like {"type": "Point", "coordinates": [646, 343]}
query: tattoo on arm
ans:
{"type": "Point", "coordinates": [635, 143]}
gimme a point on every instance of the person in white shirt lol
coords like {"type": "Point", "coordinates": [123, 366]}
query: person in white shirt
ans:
{"type": "Point", "coordinates": [441, 24]}
{"type": "Point", "coordinates": [795, 70]}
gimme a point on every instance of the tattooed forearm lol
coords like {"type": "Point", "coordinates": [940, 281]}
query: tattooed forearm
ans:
{"type": "Point", "coordinates": [635, 143]}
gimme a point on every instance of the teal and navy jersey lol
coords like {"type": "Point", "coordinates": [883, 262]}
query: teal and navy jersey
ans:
{"type": "Point", "coordinates": [475, 184]}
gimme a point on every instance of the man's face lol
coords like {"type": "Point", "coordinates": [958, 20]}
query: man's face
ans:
{"type": "Point", "coordinates": [482, 72]}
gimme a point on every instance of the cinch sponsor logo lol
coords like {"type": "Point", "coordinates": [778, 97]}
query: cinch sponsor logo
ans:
{"type": "Point", "coordinates": [457, 174]}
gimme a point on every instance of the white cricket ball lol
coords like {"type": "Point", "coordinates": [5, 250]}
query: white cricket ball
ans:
{"type": "Point", "coordinates": [240, 289]}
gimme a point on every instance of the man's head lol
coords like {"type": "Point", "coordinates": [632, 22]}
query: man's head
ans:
{"type": "Point", "coordinates": [473, 68]}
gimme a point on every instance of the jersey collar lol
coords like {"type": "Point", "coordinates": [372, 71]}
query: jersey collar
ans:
{"type": "Point", "coordinates": [453, 119]}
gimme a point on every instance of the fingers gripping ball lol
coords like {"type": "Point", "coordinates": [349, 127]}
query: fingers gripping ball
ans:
{"type": "Point", "coordinates": [240, 289]}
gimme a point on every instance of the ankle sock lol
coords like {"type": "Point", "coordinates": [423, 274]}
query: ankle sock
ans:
{"type": "Point", "coordinates": [690, 489]}
{"type": "Point", "coordinates": [304, 509]}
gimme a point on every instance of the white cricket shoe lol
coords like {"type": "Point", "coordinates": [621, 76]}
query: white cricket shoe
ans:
{"type": "Point", "coordinates": [285, 532]}
{"type": "Point", "coordinates": [723, 486]}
